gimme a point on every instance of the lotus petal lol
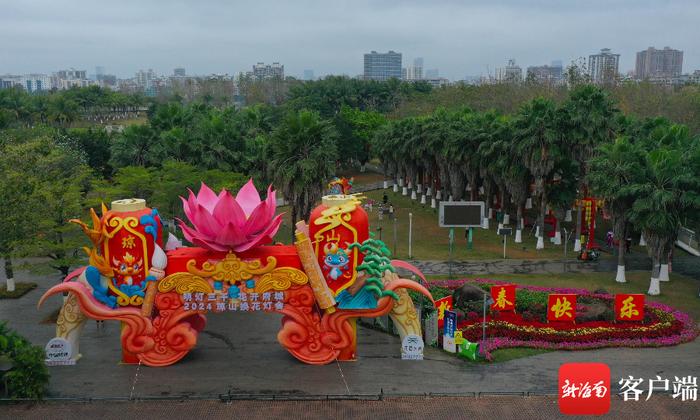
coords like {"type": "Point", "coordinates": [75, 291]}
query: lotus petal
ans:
{"type": "Point", "coordinates": [263, 238]}
{"type": "Point", "coordinates": [207, 197]}
{"type": "Point", "coordinates": [230, 234]}
{"type": "Point", "coordinates": [204, 222]}
{"type": "Point", "coordinates": [257, 220]}
{"type": "Point", "coordinates": [248, 197]}
{"type": "Point", "coordinates": [228, 209]}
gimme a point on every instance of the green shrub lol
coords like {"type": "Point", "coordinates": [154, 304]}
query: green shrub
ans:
{"type": "Point", "coordinates": [28, 376]}
{"type": "Point", "coordinates": [530, 301]}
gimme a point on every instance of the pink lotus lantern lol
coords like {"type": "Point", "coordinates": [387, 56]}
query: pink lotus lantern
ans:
{"type": "Point", "coordinates": [222, 223]}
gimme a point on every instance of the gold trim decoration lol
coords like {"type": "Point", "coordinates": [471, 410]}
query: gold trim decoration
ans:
{"type": "Point", "coordinates": [184, 283]}
{"type": "Point", "coordinates": [232, 269]}
{"type": "Point", "coordinates": [280, 279]}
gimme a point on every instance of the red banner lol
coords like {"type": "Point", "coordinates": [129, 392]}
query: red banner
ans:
{"type": "Point", "coordinates": [561, 307]}
{"type": "Point", "coordinates": [629, 307]}
{"type": "Point", "coordinates": [503, 297]}
{"type": "Point", "coordinates": [442, 305]}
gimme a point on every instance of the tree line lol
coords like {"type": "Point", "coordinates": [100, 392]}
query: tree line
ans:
{"type": "Point", "coordinates": [647, 170]}
{"type": "Point", "coordinates": [551, 140]}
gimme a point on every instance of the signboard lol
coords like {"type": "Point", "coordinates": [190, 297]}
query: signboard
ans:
{"type": "Point", "coordinates": [503, 297]}
{"type": "Point", "coordinates": [461, 213]}
{"type": "Point", "coordinates": [505, 231]}
{"type": "Point", "coordinates": [561, 307]}
{"type": "Point", "coordinates": [245, 302]}
{"type": "Point", "coordinates": [412, 347]}
{"type": "Point", "coordinates": [450, 323]}
{"type": "Point", "coordinates": [442, 305]}
{"type": "Point", "coordinates": [58, 351]}
{"type": "Point", "coordinates": [448, 336]}
{"type": "Point", "coordinates": [629, 307]}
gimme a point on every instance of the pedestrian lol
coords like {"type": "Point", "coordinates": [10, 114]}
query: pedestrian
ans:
{"type": "Point", "coordinates": [628, 244]}
{"type": "Point", "coordinates": [391, 211]}
{"type": "Point", "coordinates": [385, 199]}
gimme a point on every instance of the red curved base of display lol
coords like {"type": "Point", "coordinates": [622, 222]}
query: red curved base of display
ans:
{"type": "Point", "coordinates": [310, 335]}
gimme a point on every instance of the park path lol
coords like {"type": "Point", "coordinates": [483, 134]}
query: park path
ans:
{"type": "Point", "coordinates": [239, 353]}
{"type": "Point", "coordinates": [423, 407]}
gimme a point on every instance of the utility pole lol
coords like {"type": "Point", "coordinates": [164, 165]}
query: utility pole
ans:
{"type": "Point", "coordinates": [410, 235]}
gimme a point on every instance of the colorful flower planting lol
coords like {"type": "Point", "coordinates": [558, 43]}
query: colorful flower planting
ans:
{"type": "Point", "coordinates": [595, 325]}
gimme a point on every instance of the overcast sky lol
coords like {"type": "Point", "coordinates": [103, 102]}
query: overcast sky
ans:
{"type": "Point", "coordinates": [469, 37]}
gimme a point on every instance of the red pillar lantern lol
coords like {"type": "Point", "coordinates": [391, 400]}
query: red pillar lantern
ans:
{"type": "Point", "coordinates": [339, 221]}
{"type": "Point", "coordinates": [131, 231]}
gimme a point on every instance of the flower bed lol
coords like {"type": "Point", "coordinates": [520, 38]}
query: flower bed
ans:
{"type": "Point", "coordinates": [662, 326]}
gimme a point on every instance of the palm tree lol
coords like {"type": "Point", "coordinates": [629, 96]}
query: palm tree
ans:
{"type": "Point", "coordinates": [668, 189]}
{"type": "Point", "coordinates": [611, 173]}
{"type": "Point", "coordinates": [589, 117]}
{"type": "Point", "coordinates": [303, 155]}
{"type": "Point", "coordinates": [63, 110]}
{"type": "Point", "coordinates": [538, 145]}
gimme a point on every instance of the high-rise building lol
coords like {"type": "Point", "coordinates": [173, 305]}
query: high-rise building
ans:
{"type": "Point", "coordinates": [71, 74]}
{"type": "Point", "coordinates": [512, 73]}
{"type": "Point", "coordinates": [262, 71]}
{"type": "Point", "coordinates": [653, 63]}
{"type": "Point", "coordinates": [382, 66]}
{"type": "Point", "coordinates": [604, 66]}
{"type": "Point", "coordinates": [545, 74]}
{"type": "Point", "coordinates": [180, 72]}
{"type": "Point", "coordinates": [30, 82]}
{"type": "Point", "coordinates": [308, 74]}
{"type": "Point", "coordinates": [414, 72]}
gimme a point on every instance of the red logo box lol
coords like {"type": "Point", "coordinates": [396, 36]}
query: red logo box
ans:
{"type": "Point", "coordinates": [584, 389]}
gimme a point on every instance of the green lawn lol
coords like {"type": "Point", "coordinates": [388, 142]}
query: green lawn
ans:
{"type": "Point", "coordinates": [681, 292]}
{"type": "Point", "coordinates": [21, 289]}
{"type": "Point", "coordinates": [431, 242]}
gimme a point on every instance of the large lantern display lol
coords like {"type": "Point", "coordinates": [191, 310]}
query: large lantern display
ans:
{"type": "Point", "coordinates": [320, 284]}
{"type": "Point", "coordinates": [338, 222]}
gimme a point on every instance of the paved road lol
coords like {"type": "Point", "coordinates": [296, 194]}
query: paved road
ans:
{"type": "Point", "coordinates": [239, 353]}
{"type": "Point", "coordinates": [502, 407]}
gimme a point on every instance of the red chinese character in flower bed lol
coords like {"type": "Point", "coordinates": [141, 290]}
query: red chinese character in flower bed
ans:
{"type": "Point", "coordinates": [561, 307]}
{"type": "Point", "coordinates": [629, 307]}
{"type": "Point", "coordinates": [503, 297]}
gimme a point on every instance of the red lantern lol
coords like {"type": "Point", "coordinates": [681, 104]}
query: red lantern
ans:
{"type": "Point", "coordinates": [339, 221]}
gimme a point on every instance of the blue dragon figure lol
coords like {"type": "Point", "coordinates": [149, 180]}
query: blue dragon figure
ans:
{"type": "Point", "coordinates": [336, 260]}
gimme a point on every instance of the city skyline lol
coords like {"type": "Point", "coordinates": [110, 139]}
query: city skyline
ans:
{"type": "Point", "coordinates": [458, 39]}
